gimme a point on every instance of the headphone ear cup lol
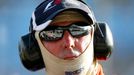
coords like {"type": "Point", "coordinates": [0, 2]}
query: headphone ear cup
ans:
{"type": "Point", "coordinates": [30, 54]}
{"type": "Point", "coordinates": [103, 41]}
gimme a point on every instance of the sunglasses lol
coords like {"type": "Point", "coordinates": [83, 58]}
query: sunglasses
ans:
{"type": "Point", "coordinates": [54, 33]}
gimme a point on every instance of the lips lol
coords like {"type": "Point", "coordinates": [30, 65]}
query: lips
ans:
{"type": "Point", "coordinates": [69, 54]}
{"type": "Point", "coordinates": [70, 57]}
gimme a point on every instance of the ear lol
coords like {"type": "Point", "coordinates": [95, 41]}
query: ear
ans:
{"type": "Point", "coordinates": [103, 41]}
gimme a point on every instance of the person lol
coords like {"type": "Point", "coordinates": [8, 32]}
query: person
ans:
{"type": "Point", "coordinates": [64, 31]}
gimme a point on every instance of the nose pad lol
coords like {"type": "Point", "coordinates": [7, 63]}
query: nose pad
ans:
{"type": "Point", "coordinates": [69, 41]}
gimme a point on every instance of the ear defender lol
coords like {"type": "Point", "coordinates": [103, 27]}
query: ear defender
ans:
{"type": "Point", "coordinates": [31, 57]}
{"type": "Point", "coordinates": [103, 41]}
{"type": "Point", "coordinates": [30, 53]}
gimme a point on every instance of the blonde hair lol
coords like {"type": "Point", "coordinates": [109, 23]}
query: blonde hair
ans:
{"type": "Point", "coordinates": [69, 16]}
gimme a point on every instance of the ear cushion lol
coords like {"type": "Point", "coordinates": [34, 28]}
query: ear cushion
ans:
{"type": "Point", "coordinates": [103, 41]}
{"type": "Point", "coordinates": [30, 54]}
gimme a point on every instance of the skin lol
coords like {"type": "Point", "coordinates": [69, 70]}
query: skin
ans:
{"type": "Point", "coordinates": [68, 47]}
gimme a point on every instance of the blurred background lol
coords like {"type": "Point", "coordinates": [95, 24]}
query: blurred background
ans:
{"type": "Point", "coordinates": [119, 14]}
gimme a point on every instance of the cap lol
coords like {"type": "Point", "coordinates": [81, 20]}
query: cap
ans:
{"type": "Point", "coordinates": [47, 10]}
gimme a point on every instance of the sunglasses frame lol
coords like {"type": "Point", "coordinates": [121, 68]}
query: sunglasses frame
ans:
{"type": "Point", "coordinates": [80, 25]}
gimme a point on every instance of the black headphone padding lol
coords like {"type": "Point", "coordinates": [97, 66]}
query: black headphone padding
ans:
{"type": "Point", "coordinates": [30, 53]}
{"type": "Point", "coordinates": [103, 41]}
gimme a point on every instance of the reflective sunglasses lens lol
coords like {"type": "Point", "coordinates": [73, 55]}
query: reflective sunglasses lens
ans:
{"type": "Point", "coordinates": [79, 31]}
{"type": "Point", "coordinates": [51, 35]}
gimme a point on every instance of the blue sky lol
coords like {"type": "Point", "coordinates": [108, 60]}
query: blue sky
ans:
{"type": "Point", "coordinates": [14, 22]}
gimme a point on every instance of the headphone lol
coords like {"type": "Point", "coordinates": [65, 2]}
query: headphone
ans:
{"type": "Point", "coordinates": [30, 53]}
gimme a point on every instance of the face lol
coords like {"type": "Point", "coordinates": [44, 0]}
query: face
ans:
{"type": "Point", "coordinates": [68, 47]}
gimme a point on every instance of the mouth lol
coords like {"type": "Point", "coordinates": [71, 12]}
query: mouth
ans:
{"type": "Point", "coordinates": [70, 57]}
{"type": "Point", "coordinates": [71, 54]}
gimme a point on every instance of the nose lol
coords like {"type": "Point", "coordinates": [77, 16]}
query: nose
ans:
{"type": "Point", "coordinates": [68, 40]}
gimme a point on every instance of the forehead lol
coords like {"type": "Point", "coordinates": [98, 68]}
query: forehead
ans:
{"type": "Point", "coordinates": [67, 17]}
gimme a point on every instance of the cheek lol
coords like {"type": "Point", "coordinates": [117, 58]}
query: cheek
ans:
{"type": "Point", "coordinates": [83, 42]}
{"type": "Point", "coordinates": [52, 47]}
